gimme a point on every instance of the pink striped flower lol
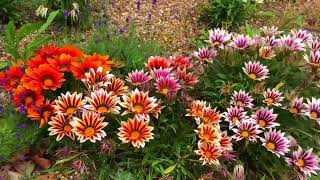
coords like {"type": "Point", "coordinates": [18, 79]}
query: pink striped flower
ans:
{"type": "Point", "coordinates": [271, 41]}
{"type": "Point", "coordinates": [304, 162]}
{"type": "Point", "coordinates": [256, 71]}
{"type": "Point", "coordinates": [138, 78]}
{"type": "Point", "coordinates": [206, 55]}
{"type": "Point", "coordinates": [313, 58]}
{"type": "Point", "coordinates": [313, 109]}
{"type": "Point", "coordinates": [219, 37]}
{"type": "Point", "coordinates": [297, 106]}
{"type": "Point", "coordinates": [266, 52]}
{"type": "Point", "coordinates": [314, 45]}
{"type": "Point", "coordinates": [242, 99]}
{"type": "Point", "coordinates": [272, 97]}
{"type": "Point", "coordinates": [158, 73]}
{"type": "Point", "coordinates": [289, 43]}
{"type": "Point", "coordinates": [235, 115]}
{"type": "Point", "coordinates": [265, 118]}
{"type": "Point", "coordinates": [247, 130]}
{"type": "Point", "coordinates": [241, 42]}
{"type": "Point", "coordinates": [271, 31]}
{"type": "Point", "coordinates": [167, 85]}
{"type": "Point", "coordinates": [304, 35]}
{"type": "Point", "coordinates": [276, 142]}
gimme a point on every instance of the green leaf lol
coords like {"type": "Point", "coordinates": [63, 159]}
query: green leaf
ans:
{"type": "Point", "coordinates": [10, 33]}
{"type": "Point", "coordinates": [35, 44]}
{"type": "Point", "coordinates": [27, 29]}
{"type": "Point", "coordinates": [50, 19]}
{"type": "Point", "coordinates": [169, 169]}
{"type": "Point", "coordinates": [12, 50]}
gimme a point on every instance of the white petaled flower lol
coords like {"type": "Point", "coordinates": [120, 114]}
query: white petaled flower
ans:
{"type": "Point", "coordinates": [272, 97]}
{"type": "Point", "coordinates": [42, 11]}
{"type": "Point", "coordinates": [241, 42]}
{"type": "Point", "coordinates": [206, 55]}
{"type": "Point", "coordinates": [219, 37]}
{"type": "Point", "coordinates": [271, 41]}
{"type": "Point", "coordinates": [241, 99]}
{"type": "Point", "coordinates": [313, 109]}
{"type": "Point", "coordinates": [271, 31]}
{"type": "Point", "coordinates": [256, 71]}
{"type": "Point", "coordinates": [289, 43]}
{"type": "Point", "coordinates": [304, 35]}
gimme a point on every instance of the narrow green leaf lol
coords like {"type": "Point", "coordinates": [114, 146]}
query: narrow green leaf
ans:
{"type": "Point", "coordinates": [35, 44]}
{"type": "Point", "coordinates": [50, 19]}
{"type": "Point", "coordinates": [169, 169]}
{"type": "Point", "coordinates": [10, 33]}
{"type": "Point", "coordinates": [27, 29]}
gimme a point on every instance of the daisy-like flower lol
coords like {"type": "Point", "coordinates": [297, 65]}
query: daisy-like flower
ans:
{"type": "Point", "coordinates": [304, 162]}
{"type": "Point", "coordinates": [41, 113]}
{"type": "Point", "coordinates": [297, 106]}
{"type": "Point", "coordinates": [13, 76]}
{"type": "Point", "coordinates": [89, 127]}
{"type": "Point", "coordinates": [178, 62]}
{"type": "Point", "coordinates": [196, 109]}
{"type": "Point", "coordinates": [138, 78]}
{"type": "Point", "coordinates": [219, 37]}
{"type": "Point", "coordinates": [49, 51]}
{"type": "Point", "coordinates": [314, 57]}
{"type": "Point", "coordinates": [225, 142]}
{"type": "Point", "coordinates": [238, 172]}
{"type": "Point", "coordinates": [276, 142]}
{"type": "Point", "coordinates": [293, 44]}
{"type": "Point", "coordinates": [63, 62]}
{"type": "Point", "coordinates": [187, 80]}
{"type": "Point", "coordinates": [208, 133]}
{"type": "Point", "coordinates": [304, 35]}
{"type": "Point", "coordinates": [95, 79]}
{"type": "Point", "coordinates": [271, 31]}
{"type": "Point", "coordinates": [73, 51]}
{"type": "Point", "coordinates": [36, 61]}
{"type": "Point", "coordinates": [80, 166]}
{"type": "Point", "coordinates": [314, 45]}
{"type": "Point", "coordinates": [103, 102]}
{"type": "Point", "coordinates": [241, 42]}
{"type": "Point", "coordinates": [158, 73]}
{"type": "Point", "coordinates": [60, 126]}
{"type": "Point", "coordinates": [116, 86]}
{"type": "Point", "coordinates": [271, 41]}
{"type": "Point", "coordinates": [265, 118]}
{"type": "Point", "coordinates": [134, 131]}
{"type": "Point", "coordinates": [209, 153]}
{"type": "Point", "coordinates": [210, 116]}
{"type": "Point", "coordinates": [139, 103]}
{"type": "Point", "coordinates": [272, 97]}
{"type": "Point", "coordinates": [266, 52]}
{"type": "Point", "coordinates": [44, 77]}
{"type": "Point", "coordinates": [27, 97]}
{"type": "Point", "coordinates": [241, 99]}
{"type": "Point", "coordinates": [206, 55]}
{"type": "Point", "coordinates": [313, 109]}
{"type": "Point", "coordinates": [247, 130]}
{"type": "Point", "coordinates": [256, 71]}
{"type": "Point", "coordinates": [156, 62]}
{"type": "Point", "coordinates": [68, 104]}
{"type": "Point", "coordinates": [234, 115]}
{"type": "Point", "coordinates": [157, 110]}
{"type": "Point", "coordinates": [167, 85]}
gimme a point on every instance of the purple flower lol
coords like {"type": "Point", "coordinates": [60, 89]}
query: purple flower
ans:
{"type": "Point", "coordinates": [122, 30]}
{"type": "Point", "coordinates": [106, 146]}
{"type": "Point", "coordinates": [276, 142]}
{"type": "Point", "coordinates": [256, 71]}
{"type": "Point", "coordinates": [313, 58]}
{"type": "Point", "coordinates": [66, 13]}
{"type": "Point", "coordinates": [138, 78]}
{"type": "Point", "coordinates": [304, 162]}
{"type": "Point", "coordinates": [158, 73]}
{"type": "Point", "coordinates": [304, 35]}
{"type": "Point", "coordinates": [314, 45]}
{"type": "Point", "coordinates": [290, 43]}
{"type": "Point", "coordinates": [23, 109]}
{"type": "Point", "coordinates": [297, 106]}
{"type": "Point", "coordinates": [241, 42]}
{"type": "Point", "coordinates": [80, 166]}
{"type": "Point", "coordinates": [313, 109]}
{"type": "Point", "coordinates": [272, 97]}
{"type": "Point", "coordinates": [271, 41]}
{"type": "Point", "coordinates": [167, 85]}
{"type": "Point", "coordinates": [265, 118]}
{"type": "Point", "coordinates": [247, 130]}
{"type": "Point", "coordinates": [206, 55]}
{"type": "Point", "coordinates": [218, 37]}
{"type": "Point", "coordinates": [234, 115]}
{"type": "Point", "coordinates": [242, 99]}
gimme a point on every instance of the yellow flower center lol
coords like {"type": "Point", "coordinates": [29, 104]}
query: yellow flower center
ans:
{"type": "Point", "coordinates": [48, 82]}
{"type": "Point", "coordinates": [103, 109]}
{"type": "Point", "coordinates": [314, 115]}
{"type": "Point", "coordinates": [235, 119]}
{"type": "Point", "coordinates": [135, 135]}
{"type": "Point", "coordinates": [67, 128]}
{"type": "Point", "coordinates": [245, 134]}
{"type": "Point", "coordinates": [70, 111]}
{"type": "Point", "coordinates": [240, 103]}
{"type": "Point", "coordinates": [271, 146]}
{"type": "Point", "coordinates": [208, 154]}
{"type": "Point", "coordinates": [28, 100]}
{"type": "Point", "coordinates": [89, 131]}
{"type": "Point", "coordinates": [206, 136]}
{"type": "Point", "coordinates": [165, 90]}
{"type": "Point", "coordinates": [300, 162]}
{"type": "Point", "coordinates": [198, 113]}
{"type": "Point", "coordinates": [269, 100]}
{"type": "Point", "coordinates": [294, 110]}
{"type": "Point", "coordinates": [252, 76]}
{"type": "Point", "coordinates": [262, 123]}
{"type": "Point", "coordinates": [138, 108]}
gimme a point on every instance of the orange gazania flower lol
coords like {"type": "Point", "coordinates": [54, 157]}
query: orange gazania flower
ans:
{"type": "Point", "coordinates": [116, 86]}
{"type": "Point", "coordinates": [197, 109]}
{"type": "Point", "coordinates": [62, 62]}
{"type": "Point", "coordinates": [209, 153]}
{"type": "Point", "coordinates": [68, 103]}
{"type": "Point", "coordinates": [41, 113]}
{"type": "Point", "coordinates": [157, 110]}
{"type": "Point", "coordinates": [27, 97]}
{"type": "Point", "coordinates": [48, 51]}
{"type": "Point", "coordinates": [136, 132]}
{"type": "Point", "coordinates": [210, 116]}
{"type": "Point", "coordinates": [14, 75]}
{"type": "Point", "coordinates": [156, 62]}
{"type": "Point", "coordinates": [36, 61]}
{"type": "Point", "coordinates": [139, 103]}
{"type": "Point", "coordinates": [89, 127]}
{"type": "Point", "coordinates": [70, 50]}
{"type": "Point", "coordinates": [103, 102]}
{"type": "Point", "coordinates": [225, 142]}
{"type": "Point", "coordinates": [60, 125]}
{"type": "Point", "coordinates": [103, 61]}
{"type": "Point", "coordinates": [43, 77]}
{"type": "Point", "coordinates": [208, 133]}
{"type": "Point", "coordinates": [79, 69]}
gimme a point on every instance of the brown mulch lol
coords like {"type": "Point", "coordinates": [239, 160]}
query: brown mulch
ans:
{"type": "Point", "coordinates": [171, 23]}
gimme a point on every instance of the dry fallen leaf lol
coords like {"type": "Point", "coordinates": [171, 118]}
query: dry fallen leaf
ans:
{"type": "Point", "coordinates": [42, 162]}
